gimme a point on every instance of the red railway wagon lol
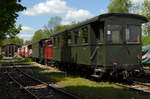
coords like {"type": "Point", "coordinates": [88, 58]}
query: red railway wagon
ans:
{"type": "Point", "coordinates": [29, 51]}
{"type": "Point", "coordinates": [23, 51]}
{"type": "Point", "coordinates": [20, 51]}
{"type": "Point", "coordinates": [48, 51]}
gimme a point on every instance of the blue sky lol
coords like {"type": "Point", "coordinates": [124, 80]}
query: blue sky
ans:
{"type": "Point", "coordinates": [38, 13]}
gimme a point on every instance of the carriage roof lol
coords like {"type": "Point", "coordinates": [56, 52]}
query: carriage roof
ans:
{"type": "Point", "coordinates": [104, 17]}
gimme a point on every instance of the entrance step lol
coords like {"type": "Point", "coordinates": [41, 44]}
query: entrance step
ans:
{"type": "Point", "coordinates": [96, 76]}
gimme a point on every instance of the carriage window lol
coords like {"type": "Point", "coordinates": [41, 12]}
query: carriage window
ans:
{"type": "Point", "coordinates": [54, 41]}
{"type": "Point", "coordinates": [98, 29]}
{"type": "Point", "coordinates": [49, 43]}
{"type": "Point", "coordinates": [58, 41]}
{"type": "Point", "coordinates": [113, 34]}
{"type": "Point", "coordinates": [69, 40]}
{"type": "Point", "coordinates": [42, 44]}
{"type": "Point", "coordinates": [133, 33]}
{"type": "Point", "coordinates": [99, 34]}
{"type": "Point", "coordinates": [62, 40]}
{"type": "Point", "coordinates": [127, 34]}
{"type": "Point", "coordinates": [76, 37]}
{"type": "Point", "coordinates": [84, 35]}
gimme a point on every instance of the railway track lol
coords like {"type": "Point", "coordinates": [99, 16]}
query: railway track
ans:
{"type": "Point", "coordinates": [142, 86]}
{"type": "Point", "coordinates": [138, 87]}
{"type": "Point", "coordinates": [10, 90]}
{"type": "Point", "coordinates": [37, 88]}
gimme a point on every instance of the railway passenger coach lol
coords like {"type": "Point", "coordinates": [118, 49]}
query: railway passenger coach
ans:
{"type": "Point", "coordinates": [106, 44]}
{"type": "Point", "coordinates": [9, 50]}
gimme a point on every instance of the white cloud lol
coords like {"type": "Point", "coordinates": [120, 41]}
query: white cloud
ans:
{"type": "Point", "coordinates": [48, 7]}
{"type": "Point", "coordinates": [26, 33]}
{"type": "Point", "coordinates": [102, 11]}
{"type": "Point", "coordinates": [78, 14]}
{"type": "Point", "coordinates": [57, 7]}
{"type": "Point", "coordinates": [27, 29]}
{"type": "Point", "coordinates": [25, 36]}
{"type": "Point", "coordinates": [65, 23]}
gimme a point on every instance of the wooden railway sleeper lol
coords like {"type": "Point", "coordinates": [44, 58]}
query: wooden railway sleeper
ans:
{"type": "Point", "coordinates": [50, 86]}
{"type": "Point", "coordinates": [34, 96]}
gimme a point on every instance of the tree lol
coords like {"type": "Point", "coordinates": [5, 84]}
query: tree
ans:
{"type": "Point", "coordinates": [135, 8]}
{"type": "Point", "coordinates": [11, 36]}
{"type": "Point", "coordinates": [8, 13]}
{"type": "Point", "coordinates": [119, 6]}
{"type": "Point", "coordinates": [62, 27]}
{"type": "Point", "coordinates": [12, 32]}
{"type": "Point", "coordinates": [27, 42]}
{"type": "Point", "coordinates": [39, 34]}
{"type": "Point", "coordinates": [53, 23]}
{"type": "Point", "coordinates": [146, 40]}
{"type": "Point", "coordinates": [47, 31]}
{"type": "Point", "coordinates": [15, 40]}
{"type": "Point", "coordinates": [145, 10]}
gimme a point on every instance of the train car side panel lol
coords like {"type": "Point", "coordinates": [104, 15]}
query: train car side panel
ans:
{"type": "Point", "coordinates": [35, 50]}
{"type": "Point", "coordinates": [48, 52]}
{"type": "Point", "coordinates": [29, 50]}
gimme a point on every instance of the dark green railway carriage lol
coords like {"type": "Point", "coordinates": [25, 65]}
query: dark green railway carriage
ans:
{"type": "Point", "coordinates": [38, 50]}
{"type": "Point", "coordinates": [109, 43]}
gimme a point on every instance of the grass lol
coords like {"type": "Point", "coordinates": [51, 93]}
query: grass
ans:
{"type": "Point", "coordinates": [2, 60]}
{"type": "Point", "coordinates": [0, 65]}
{"type": "Point", "coordinates": [24, 60]}
{"type": "Point", "coordinates": [90, 89]}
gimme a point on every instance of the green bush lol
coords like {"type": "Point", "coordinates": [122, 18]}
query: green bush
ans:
{"type": "Point", "coordinates": [146, 40]}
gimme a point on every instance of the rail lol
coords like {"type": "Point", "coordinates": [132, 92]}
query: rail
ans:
{"type": "Point", "coordinates": [61, 91]}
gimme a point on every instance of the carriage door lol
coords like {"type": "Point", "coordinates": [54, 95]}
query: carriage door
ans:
{"type": "Point", "coordinates": [42, 49]}
{"type": "Point", "coordinates": [97, 42]}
